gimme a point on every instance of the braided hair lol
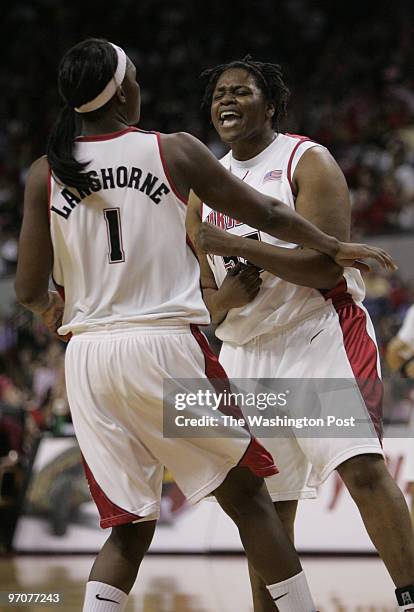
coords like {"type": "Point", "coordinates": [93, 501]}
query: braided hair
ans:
{"type": "Point", "coordinates": [83, 73]}
{"type": "Point", "coordinates": [268, 77]}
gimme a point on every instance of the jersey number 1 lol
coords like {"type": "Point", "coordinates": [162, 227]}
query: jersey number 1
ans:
{"type": "Point", "coordinates": [113, 227]}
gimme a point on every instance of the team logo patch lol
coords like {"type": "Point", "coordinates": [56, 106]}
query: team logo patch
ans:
{"type": "Point", "coordinates": [273, 175]}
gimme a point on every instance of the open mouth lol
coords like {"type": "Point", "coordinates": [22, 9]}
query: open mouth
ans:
{"type": "Point", "coordinates": [229, 119]}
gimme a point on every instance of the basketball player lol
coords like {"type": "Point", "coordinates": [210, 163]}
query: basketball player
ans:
{"type": "Point", "coordinates": [400, 357]}
{"type": "Point", "coordinates": [305, 319]}
{"type": "Point", "coordinates": [105, 212]}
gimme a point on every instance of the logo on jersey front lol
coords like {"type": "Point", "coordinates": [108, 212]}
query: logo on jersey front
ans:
{"type": "Point", "coordinates": [226, 223]}
{"type": "Point", "coordinates": [221, 220]}
{"type": "Point", "coordinates": [273, 175]}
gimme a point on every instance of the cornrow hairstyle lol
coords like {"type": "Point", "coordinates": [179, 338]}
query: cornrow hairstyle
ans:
{"type": "Point", "coordinates": [84, 71]}
{"type": "Point", "coordinates": [268, 77]}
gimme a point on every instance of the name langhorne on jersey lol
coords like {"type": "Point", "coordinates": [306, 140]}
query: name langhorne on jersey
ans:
{"type": "Point", "coordinates": [112, 178]}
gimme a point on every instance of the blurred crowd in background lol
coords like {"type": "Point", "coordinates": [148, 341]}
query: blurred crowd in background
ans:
{"type": "Point", "coordinates": [349, 68]}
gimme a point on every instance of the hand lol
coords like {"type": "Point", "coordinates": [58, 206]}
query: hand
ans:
{"type": "Point", "coordinates": [407, 369]}
{"type": "Point", "coordinates": [210, 239]}
{"type": "Point", "coordinates": [53, 315]}
{"type": "Point", "coordinates": [410, 370]}
{"type": "Point", "coordinates": [240, 286]}
{"type": "Point", "coordinates": [349, 255]}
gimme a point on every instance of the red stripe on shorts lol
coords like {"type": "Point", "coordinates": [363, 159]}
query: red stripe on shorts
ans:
{"type": "Point", "coordinates": [361, 351]}
{"type": "Point", "coordinates": [256, 457]}
{"type": "Point", "coordinates": [110, 514]}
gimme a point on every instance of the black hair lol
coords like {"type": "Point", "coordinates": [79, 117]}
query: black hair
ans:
{"type": "Point", "coordinates": [268, 77]}
{"type": "Point", "coordinates": [84, 71]}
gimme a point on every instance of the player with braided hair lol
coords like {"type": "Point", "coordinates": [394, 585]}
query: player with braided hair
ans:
{"type": "Point", "coordinates": [292, 312]}
{"type": "Point", "coordinates": [270, 77]}
{"type": "Point", "coordinates": [105, 213]}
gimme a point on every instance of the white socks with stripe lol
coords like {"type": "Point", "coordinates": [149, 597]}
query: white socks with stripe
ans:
{"type": "Point", "coordinates": [292, 595]}
{"type": "Point", "coordinates": [101, 597]}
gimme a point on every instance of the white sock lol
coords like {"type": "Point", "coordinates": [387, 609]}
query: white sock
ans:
{"type": "Point", "coordinates": [101, 597]}
{"type": "Point", "coordinates": [292, 595]}
{"type": "Point", "coordinates": [407, 607]}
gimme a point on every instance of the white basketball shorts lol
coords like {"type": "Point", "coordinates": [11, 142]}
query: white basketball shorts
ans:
{"type": "Point", "coordinates": [115, 383]}
{"type": "Point", "coordinates": [328, 344]}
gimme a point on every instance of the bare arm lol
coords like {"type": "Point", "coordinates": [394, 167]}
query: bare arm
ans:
{"type": "Point", "coordinates": [323, 200]}
{"type": "Point", "coordinates": [35, 247]}
{"type": "Point", "coordinates": [35, 258]}
{"type": "Point", "coordinates": [207, 280]}
{"type": "Point", "coordinates": [193, 166]}
{"type": "Point", "coordinates": [239, 287]}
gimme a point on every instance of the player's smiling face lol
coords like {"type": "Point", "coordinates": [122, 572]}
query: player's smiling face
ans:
{"type": "Point", "coordinates": [239, 109]}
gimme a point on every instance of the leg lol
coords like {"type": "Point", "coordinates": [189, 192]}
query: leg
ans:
{"type": "Point", "coordinates": [118, 561]}
{"type": "Point", "coordinates": [262, 601]}
{"type": "Point", "coordinates": [412, 501]}
{"type": "Point", "coordinates": [384, 512]}
{"type": "Point", "coordinates": [244, 497]}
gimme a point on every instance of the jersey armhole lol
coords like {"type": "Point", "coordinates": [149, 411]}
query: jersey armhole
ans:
{"type": "Point", "coordinates": [167, 172]}
{"type": "Point", "coordinates": [290, 162]}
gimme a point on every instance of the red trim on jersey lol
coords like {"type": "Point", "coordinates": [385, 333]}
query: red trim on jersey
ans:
{"type": "Point", "coordinates": [110, 514]}
{"type": "Point", "coordinates": [256, 457]}
{"type": "Point", "coordinates": [108, 136]}
{"type": "Point", "coordinates": [292, 155]}
{"type": "Point", "coordinates": [361, 351]}
{"type": "Point", "coordinates": [167, 172]}
{"type": "Point", "coordinates": [191, 246]}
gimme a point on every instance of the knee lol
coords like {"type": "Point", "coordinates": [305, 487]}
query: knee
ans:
{"type": "Point", "coordinates": [364, 473]}
{"type": "Point", "coordinates": [134, 538]}
{"type": "Point", "coordinates": [241, 494]}
{"type": "Point", "coordinates": [286, 511]}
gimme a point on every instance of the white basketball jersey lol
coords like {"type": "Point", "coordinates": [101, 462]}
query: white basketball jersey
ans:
{"type": "Point", "coordinates": [120, 249]}
{"type": "Point", "coordinates": [278, 303]}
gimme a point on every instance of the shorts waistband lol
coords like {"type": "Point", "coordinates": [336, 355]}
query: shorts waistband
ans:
{"type": "Point", "coordinates": [105, 331]}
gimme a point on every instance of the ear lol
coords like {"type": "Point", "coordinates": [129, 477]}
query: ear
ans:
{"type": "Point", "coordinates": [121, 96]}
{"type": "Point", "coordinates": [270, 111]}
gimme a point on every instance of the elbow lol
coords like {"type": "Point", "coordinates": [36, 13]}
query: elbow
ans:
{"type": "Point", "coordinates": [274, 215]}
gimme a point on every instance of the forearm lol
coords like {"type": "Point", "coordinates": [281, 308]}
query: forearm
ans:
{"type": "Point", "coordinates": [299, 266]}
{"type": "Point", "coordinates": [226, 193]}
{"type": "Point", "coordinates": [215, 305]}
{"type": "Point", "coordinates": [287, 225]}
